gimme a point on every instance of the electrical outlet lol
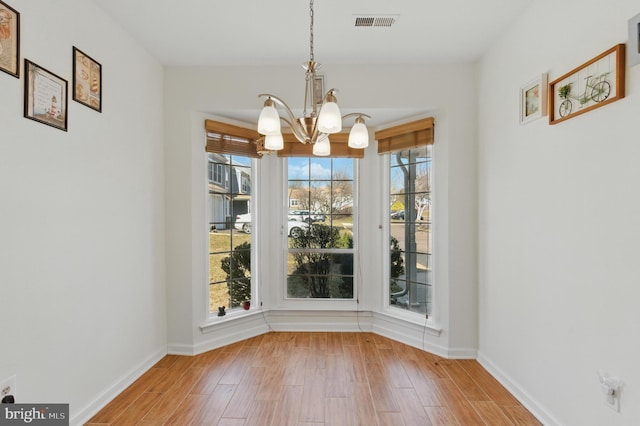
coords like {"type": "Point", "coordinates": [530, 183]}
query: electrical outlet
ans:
{"type": "Point", "coordinates": [8, 387]}
{"type": "Point", "coordinates": [610, 387]}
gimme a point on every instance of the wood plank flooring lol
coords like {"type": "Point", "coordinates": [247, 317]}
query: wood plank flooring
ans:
{"type": "Point", "coordinates": [315, 379]}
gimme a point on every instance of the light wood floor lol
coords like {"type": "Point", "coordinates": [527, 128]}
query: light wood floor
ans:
{"type": "Point", "coordinates": [315, 379]}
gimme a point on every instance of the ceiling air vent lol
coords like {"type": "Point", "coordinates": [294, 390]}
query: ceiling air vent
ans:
{"type": "Point", "coordinates": [376, 20]}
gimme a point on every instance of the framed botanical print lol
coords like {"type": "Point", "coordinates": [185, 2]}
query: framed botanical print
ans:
{"type": "Point", "coordinates": [87, 80]}
{"type": "Point", "coordinates": [533, 99]}
{"type": "Point", "coordinates": [9, 40]}
{"type": "Point", "coordinates": [45, 96]}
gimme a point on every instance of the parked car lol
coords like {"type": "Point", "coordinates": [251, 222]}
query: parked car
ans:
{"type": "Point", "coordinates": [294, 228]}
{"type": "Point", "coordinates": [243, 223]}
{"type": "Point", "coordinates": [397, 215]}
{"type": "Point", "coordinates": [306, 216]}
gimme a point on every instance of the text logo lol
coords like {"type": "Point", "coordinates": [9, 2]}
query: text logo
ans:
{"type": "Point", "coordinates": [34, 414]}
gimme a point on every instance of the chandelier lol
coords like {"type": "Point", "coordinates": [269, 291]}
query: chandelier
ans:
{"type": "Point", "coordinates": [313, 127]}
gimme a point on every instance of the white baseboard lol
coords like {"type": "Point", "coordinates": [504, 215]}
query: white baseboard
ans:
{"type": "Point", "coordinates": [518, 392]}
{"type": "Point", "coordinates": [317, 321]}
{"type": "Point", "coordinates": [116, 388]}
{"type": "Point", "coordinates": [225, 339]}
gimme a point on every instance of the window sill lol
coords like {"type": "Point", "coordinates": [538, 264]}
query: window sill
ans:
{"type": "Point", "coordinates": [232, 317]}
{"type": "Point", "coordinates": [429, 325]}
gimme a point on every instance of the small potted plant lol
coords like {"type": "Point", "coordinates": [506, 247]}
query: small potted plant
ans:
{"type": "Point", "coordinates": [564, 91]}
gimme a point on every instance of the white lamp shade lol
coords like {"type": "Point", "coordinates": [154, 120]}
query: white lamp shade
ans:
{"type": "Point", "coordinates": [269, 121]}
{"type": "Point", "coordinates": [273, 142]}
{"type": "Point", "coordinates": [359, 136]}
{"type": "Point", "coordinates": [329, 120]}
{"type": "Point", "coordinates": [322, 147]}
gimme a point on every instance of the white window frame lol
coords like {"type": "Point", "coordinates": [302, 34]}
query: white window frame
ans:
{"type": "Point", "coordinates": [388, 308]}
{"type": "Point", "coordinates": [255, 281]}
{"type": "Point", "coordinates": [319, 303]}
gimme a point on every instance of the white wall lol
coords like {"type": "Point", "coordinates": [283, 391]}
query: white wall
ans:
{"type": "Point", "coordinates": [447, 92]}
{"type": "Point", "coordinates": [82, 291]}
{"type": "Point", "coordinates": [558, 221]}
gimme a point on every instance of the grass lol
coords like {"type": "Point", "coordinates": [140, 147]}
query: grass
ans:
{"type": "Point", "coordinates": [219, 241]}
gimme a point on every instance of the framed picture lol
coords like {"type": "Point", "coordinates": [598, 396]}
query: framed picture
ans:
{"type": "Point", "coordinates": [634, 40]}
{"type": "Point", "coordinates": [533, 99]}
{"type": "Point", "coordinates": [592, 85]}
{"type": "Point", "coordinates": [9, 40]}
{"type": "Point", "coordinates": [45, 96]}
{"type": "Point", "coordinates": [87, 80]}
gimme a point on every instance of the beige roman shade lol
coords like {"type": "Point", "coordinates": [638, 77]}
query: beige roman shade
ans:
{"type": "Point", "coordinates": [405, 136]}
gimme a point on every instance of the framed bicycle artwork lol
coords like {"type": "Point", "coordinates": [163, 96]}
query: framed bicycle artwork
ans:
{"type": "Point", "coordinates": [593, 84]}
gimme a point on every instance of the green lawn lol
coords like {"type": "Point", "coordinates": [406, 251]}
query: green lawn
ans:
{"type": "Point", "coordinates": [221, 241]}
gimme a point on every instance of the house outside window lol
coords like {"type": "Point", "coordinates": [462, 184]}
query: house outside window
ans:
{"type": "Point", "coordinates": [321, 252]}
{"type": "Point", "coordinates": [217, 173]}
{"type": "Point", "coordinates": [410, 224]}
{"type": "Point", "coordinates": [230, 225]}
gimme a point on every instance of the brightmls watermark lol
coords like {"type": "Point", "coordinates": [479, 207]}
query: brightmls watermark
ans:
{"type": "Point", "coordinates": [34, 414]}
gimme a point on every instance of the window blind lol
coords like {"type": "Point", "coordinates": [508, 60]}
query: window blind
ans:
{"type": "Point", "coordinates": [405, 136]}
{"type": "Point", "coordinates": [223, 138]}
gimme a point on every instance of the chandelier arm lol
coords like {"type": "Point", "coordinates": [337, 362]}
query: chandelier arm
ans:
{"type": "Point", "coordinates": [295, 126]}
{"type": "Point", "coordinates": [280, 102]}
{"type": "Point", "coordinates": [359, 114]}
{"type": "Point", "coordinates": [330, 92]}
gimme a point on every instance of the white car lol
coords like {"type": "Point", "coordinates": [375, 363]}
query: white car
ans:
{"type": "Point", "coordinates": [306, 216]}
{"type": "Point", "coordinates": [243, 223]}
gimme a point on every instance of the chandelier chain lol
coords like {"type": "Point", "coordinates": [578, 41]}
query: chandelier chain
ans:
{"type": "Point", "coordinates": [311, 58]}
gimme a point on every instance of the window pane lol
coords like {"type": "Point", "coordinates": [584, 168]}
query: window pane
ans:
{"type": "Point", "coordinates": [230, 226]}
{"type": "Point", "coordinates": [298, 194]}
{"type": "Point", "coordinates": [320, 275]}
{"type": "Point", "coordinates": [342, 197]}
{"type": "Point", "coordinates": [320, 168]}
{"type": "Point", "coordinates": [342, 169]}
{"type": "Point", "coordinates": [410, 282]}
{"type": "Point", "coordinates": [321, 252]}
{"type": "Point", "coordinates": [298, 168]}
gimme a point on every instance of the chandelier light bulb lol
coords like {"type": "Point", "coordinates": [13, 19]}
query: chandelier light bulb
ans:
{"type": "Point", "coordinates": [322, 147]}
{"type": "Point", "coordinates": [359, 135]}
{"type": "Point", "coordinates": [329, 120]}
{"type": "Point", "coordinates": [273, 142]}
{"type": "Point", "coordinates": [269, 120]}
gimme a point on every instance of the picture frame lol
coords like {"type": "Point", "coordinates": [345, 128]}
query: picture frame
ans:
{"type": "Point", "coordinates": [9, 40]}
{"type": "Point", "coordinates": [533, 99]}
{"type": "Point", "coordinates": [594, 84]}
{"type": "Point", "coordinates": [87, 80]}
{"type": "Point", "coordinates": [45, 96]}
{"type": "Point", "coordinates": [633, 50]}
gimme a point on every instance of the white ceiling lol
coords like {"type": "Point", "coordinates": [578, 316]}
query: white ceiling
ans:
{"type": "Point", "coordinates": [259, 32]}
